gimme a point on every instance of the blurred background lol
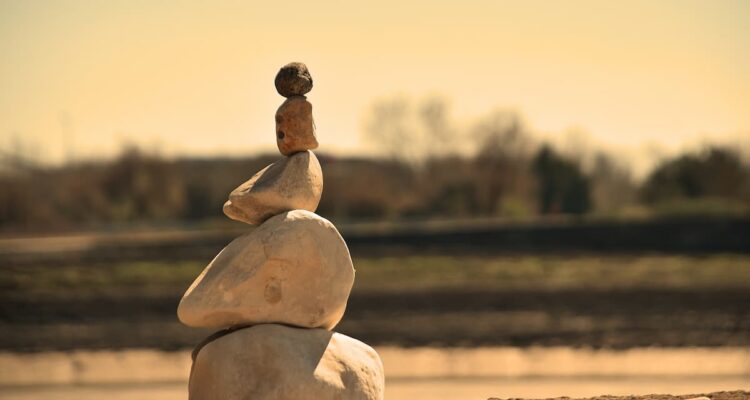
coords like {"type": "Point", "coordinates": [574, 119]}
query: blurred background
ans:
{"type": "Point", "coordinates": [540, 198]}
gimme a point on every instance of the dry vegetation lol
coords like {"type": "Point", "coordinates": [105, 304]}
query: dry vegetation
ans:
{"type": "Point", "coordinates": [429, 169]}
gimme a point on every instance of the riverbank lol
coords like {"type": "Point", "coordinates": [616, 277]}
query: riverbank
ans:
{"type": "Point", "coordinates": [585, 300]}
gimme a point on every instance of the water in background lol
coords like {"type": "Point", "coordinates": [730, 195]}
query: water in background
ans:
{"type": "Point", "coordinates": [434, 373]}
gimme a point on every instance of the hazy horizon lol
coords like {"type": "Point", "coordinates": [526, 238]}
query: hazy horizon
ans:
{"type": "Point", "coordinates": [80, 80]}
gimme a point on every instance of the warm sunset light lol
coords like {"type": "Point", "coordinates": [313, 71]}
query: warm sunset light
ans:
{"type": "Point", "coordinates": [314, 200]}
{"type": "Point", "coordinates": [80, 79]}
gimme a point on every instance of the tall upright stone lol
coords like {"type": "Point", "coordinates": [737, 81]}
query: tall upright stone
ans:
{"type": "Point", "coordinates": [295, 128]}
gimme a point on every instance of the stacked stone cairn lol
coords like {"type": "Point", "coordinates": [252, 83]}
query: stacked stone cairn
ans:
{"type": "Point", "coordinates": [275, 294]}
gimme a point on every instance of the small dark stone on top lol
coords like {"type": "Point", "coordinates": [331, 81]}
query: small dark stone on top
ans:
{"type": "Point", "coordinates": [293, 79]}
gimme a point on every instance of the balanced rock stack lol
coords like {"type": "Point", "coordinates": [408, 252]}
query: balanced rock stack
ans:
{"type": "Point", "coordinates": [276, 292]}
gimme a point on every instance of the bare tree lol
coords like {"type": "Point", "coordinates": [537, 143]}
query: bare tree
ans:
{"type": "Point", "coordinates": [389, 128]}
{"type": "Point", "coordinates": [411, 132]}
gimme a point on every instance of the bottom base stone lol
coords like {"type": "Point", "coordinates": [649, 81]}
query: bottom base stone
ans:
{"type": "Point", "coordinates": [275, 362]}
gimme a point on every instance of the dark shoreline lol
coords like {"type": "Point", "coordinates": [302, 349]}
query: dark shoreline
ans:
{"type": "Point", "coordinates": [689, 236]}
{"type": "Point", "coordinates": [616, 319]}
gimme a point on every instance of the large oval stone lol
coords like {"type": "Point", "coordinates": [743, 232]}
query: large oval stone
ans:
{"type": "Point", "coordinates": [293, 269]}
{"type": "Point", "coordinates": [275, 362]}
{"type": "Point", "coordinates": [292, 183]}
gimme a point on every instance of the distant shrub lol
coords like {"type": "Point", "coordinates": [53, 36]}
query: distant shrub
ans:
{"type": "Point", "coordinates": [710, 179]}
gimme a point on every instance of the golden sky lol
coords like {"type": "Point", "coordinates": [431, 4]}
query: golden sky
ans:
{"type": "Point", "coordinates": [81, 78]}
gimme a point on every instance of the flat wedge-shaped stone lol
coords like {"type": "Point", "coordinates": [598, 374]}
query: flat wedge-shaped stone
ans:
{"type": "Point", "coordinates": [292, 183]}
{"type": "Point", "coordinates": [275, 362]}
{"type": "Point", "coordinates": [293, 269]}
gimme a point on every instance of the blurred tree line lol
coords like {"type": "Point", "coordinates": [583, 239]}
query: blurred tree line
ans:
{"type": "Point", "coordinates": [429, 168]}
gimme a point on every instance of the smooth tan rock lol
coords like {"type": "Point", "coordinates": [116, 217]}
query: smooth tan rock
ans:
{"type": "Point", "coordinates": [293, 269]}
{"type": "Point", "coordinates": [293, 79]}
{"type": "Point", "coordinates": [295, 128]}
{"type": "Point", "coordinates": [275, 362]}
{"type": "Point", "coordinates": [292, 183]}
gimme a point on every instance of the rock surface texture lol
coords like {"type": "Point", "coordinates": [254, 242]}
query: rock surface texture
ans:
{"type": "Point", "coordinates": [275, 293]}
{"type": "Point", "coordinates": [278, 362]}
{"type": "Point", "coordinates": [295, 128]}
{"type": "Point", "coordinates": [293, 269]}
{"type": "Point", "coordinates": [293, 79]}
{"type": "Point", "coordinates": [292, 183]}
